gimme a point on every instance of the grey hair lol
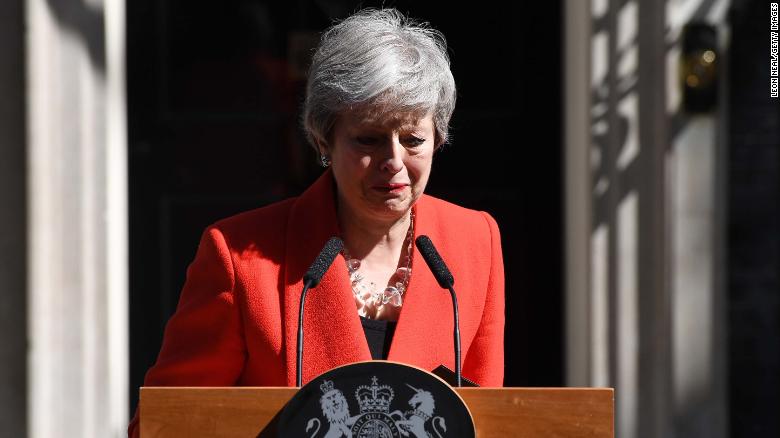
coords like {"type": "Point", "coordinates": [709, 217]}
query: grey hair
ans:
{"type": "Point", "coordinates": [379, 60]}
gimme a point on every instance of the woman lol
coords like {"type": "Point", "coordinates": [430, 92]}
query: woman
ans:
{"type": "Point", "coordinates": [379, 99]}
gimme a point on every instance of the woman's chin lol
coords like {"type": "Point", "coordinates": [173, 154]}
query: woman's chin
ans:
{"type": "Point", "coordinates": [392, 208]}
{"type": "Point", "coordinates": [398, 204]}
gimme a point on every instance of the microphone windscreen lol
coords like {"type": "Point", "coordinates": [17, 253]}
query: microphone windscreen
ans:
{"type": "Point", "coordinates": [323, 261]}
{"type": "Point", "coordinates": [435, 263]}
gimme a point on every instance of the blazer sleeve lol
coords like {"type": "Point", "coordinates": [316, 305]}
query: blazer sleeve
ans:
{"type": "Point", "coordinates": [203, 343]}
{"type": "Point", "coordinates": [484, 362]}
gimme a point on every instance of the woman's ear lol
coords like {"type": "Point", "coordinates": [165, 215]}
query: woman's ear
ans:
{"type": "Point", "coordinates": [324, 158]}
{"type": "Point", "coordinates": [322, 147]}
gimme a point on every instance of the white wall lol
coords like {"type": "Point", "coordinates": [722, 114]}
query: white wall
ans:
{"type": "Point", "coordinates": [644, 221]}
{"type": "Point", "coordinates": [77, 215]}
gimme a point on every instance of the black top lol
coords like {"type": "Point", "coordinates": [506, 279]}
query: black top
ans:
{"type": "Point", "coordinates": [379, 335]}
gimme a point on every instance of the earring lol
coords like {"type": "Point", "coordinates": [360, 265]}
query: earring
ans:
{"type": "Point", "coordinates": [324, 160]}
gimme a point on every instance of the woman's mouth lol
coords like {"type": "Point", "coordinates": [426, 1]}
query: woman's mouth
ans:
{"type": "Point", "coordinates": [391, 188]}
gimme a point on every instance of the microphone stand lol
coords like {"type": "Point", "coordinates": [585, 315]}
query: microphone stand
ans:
{"type": "Point", "coordinates": [299, 364]}
{"type": "Point", "coordinates": [456, 337]}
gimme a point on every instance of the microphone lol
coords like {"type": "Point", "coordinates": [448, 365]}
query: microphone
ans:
{"type": "Point", "coordinates": [323, 261]}
{"type": "Point", "coordinates": [312, 278]}
{"type": "Point", "coordinates": [434, 261]}
{"type": "Point", "coordinates": [446, 281]}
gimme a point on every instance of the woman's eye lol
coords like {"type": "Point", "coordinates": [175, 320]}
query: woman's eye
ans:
{"type": "Point", "coordinates": [414, 141]}
{"type": "Point", "coordinates": [374, 141]}
{"type": "Point", "coordinates": [369, 141]}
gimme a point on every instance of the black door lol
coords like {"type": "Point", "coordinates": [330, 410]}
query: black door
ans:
{"type": "Point", "coordinates": [214, 92]}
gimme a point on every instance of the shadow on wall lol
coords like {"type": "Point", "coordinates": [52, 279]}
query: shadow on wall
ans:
{"type": "Point", "coordinates": [87, 23]}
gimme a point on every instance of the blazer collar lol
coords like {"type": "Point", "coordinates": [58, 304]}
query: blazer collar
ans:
{"type": "Point", "coordinates": [333, 334]}
{"type": "Point", "coordinates": [423, 336]}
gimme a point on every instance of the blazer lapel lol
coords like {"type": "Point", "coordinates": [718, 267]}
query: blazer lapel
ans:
{"type": "Point", "coordinates": [333, 334]}
{"type": "Point", "coordinates": [423, 336]}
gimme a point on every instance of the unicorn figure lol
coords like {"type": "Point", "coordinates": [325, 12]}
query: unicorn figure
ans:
{"type": "Point", "coordinates": [413, 422]}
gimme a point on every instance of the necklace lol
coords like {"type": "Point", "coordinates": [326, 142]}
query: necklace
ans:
{"type": "Point", "coordinates": [367, 296]}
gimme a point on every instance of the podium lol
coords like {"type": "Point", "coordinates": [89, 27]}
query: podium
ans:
{"type": "Point", "coordinates": [497, 412]}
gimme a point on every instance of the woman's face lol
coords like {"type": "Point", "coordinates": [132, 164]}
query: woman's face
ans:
{"type": "Point", "coordinates": [381, 166]}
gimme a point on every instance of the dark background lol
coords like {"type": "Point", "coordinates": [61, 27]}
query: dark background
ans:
{"type": "Point", "coordinates": [753, 228]}
{"type": "Point", "coordinates": [214, 94]}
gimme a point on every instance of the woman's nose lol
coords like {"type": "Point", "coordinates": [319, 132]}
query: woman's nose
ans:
{"type": "Point", "coordinates": [393, 161]}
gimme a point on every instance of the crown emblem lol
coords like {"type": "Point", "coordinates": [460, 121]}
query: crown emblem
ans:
{"type": "Point", "coordinates": [326, 386]}
{"type": "Point", "coordinates": [374, 398]}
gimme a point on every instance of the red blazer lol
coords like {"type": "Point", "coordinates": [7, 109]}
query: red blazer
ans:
{"type": "Point", "coordinates": [236, 321]}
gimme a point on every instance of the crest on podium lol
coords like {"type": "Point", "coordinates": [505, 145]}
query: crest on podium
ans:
{"type": "Point", "coordinates": [376, 399]}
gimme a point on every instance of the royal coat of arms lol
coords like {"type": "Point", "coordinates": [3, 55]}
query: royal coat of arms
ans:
{"type": "Point", "coordinates": [376, 420]}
